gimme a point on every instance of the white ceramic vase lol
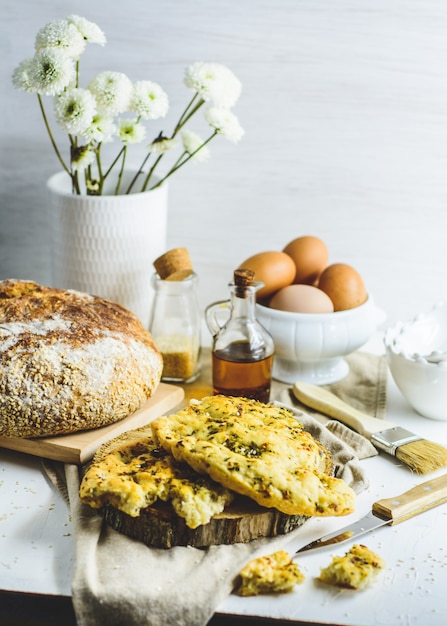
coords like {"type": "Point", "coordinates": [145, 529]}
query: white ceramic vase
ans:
{"type": "Point", "coordinates": [105, 245]}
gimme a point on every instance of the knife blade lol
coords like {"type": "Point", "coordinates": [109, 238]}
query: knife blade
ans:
{"type": "Point", "coordinates": [387, 511]}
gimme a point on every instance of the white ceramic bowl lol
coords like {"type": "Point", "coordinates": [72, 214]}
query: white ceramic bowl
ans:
{"type": "Point", "coordinates": [310, 347]}
{"type": "Point", "coordinates": [417, 357]}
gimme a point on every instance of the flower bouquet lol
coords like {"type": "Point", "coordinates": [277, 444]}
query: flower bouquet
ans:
{"type": "Point", "coordinates": [112, 107]}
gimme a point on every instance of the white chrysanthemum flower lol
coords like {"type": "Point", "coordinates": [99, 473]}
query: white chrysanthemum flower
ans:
{"type": "Point", "coordinates": [101, 129]}
{"type": "Point", "coordinates": [21, 76]}
{"type": "Point", "coordinates": [149, 100]}
{"type": "Point", "coordinates": [63, 36]}
{"type": "Point", "coordinates": [81, 158]}
{"type": "Point", "coordinates": [131, 131]}
{"type": "Point", "coordinates": [51, 71]}
{"type": "Point", "coordinates": [74, 110]}
{"type": "Point", "coordinates": [192, 142]}
{"type": "Point", "coordinates": [162, 144]}
{"type": "Point", "coordinates": [225, 123]}
{"type": "Point", "coordinates": [215, 82]}
{"type": "Point", "coordinates": [89, 30]}
{"type": "Point", "coordinates": [113, 91]}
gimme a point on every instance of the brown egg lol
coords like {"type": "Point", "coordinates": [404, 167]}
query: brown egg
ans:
{"type": "Point", "coordinates": [274, 269]}
{"type": "Point", "coordinates": [310, 256]}
{"type": "Point", "coordinates": [344, 285]}
{"type": "Point", "coordinates": [302, 299]}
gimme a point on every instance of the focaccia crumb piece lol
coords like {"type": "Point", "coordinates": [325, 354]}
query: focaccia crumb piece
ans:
{"type": "Point", "coordinates": [273, 573]}
{"type": "Point", "coordinates": [355, 570]}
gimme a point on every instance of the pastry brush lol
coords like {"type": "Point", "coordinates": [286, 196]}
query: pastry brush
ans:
{"type": "Point", "coordinates": [418, 454]}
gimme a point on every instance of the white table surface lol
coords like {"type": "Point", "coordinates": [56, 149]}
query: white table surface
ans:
{"type": "Point", "coordinates": [36, 545]}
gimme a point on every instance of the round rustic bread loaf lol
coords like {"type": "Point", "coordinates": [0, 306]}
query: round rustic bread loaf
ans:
{"type": "Point", "coordinates": [69, 361]}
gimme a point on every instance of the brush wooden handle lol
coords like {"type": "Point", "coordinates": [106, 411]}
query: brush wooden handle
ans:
{"type": "Point", "coordinates": [328, 403]}
{"type": "Point", "coordinates": [414, 501]}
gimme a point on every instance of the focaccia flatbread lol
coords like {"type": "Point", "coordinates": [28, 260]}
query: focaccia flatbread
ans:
{"type": "Point", "coordinates": [136, 472]}
{"type": "Point", "coordinates": [258, 450]}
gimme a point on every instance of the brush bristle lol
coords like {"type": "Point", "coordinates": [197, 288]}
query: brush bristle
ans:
{"type": "Point", "coordinates": [422, 456]}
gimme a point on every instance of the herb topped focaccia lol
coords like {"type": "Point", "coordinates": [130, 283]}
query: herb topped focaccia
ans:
{"type": "Point", "coordinates": [257, 450]}
{"type": "Point", "coordinates": [132, 472]}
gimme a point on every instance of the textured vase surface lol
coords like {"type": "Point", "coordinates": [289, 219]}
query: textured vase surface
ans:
{"type": "Point", "coordinates": [106, 245]}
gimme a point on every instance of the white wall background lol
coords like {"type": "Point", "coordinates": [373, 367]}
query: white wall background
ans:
{"type": "Point", "coordinates": [344, 105]}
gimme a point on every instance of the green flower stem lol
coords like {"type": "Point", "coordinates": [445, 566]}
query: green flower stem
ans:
{"type": "Point", "coordinates": [190, 110]}
{"type": "Point", "coordinates": [185, 118]}
{"type": "Point", "coordinates": [87, 177]}
{"type": "Point", "coordinates": [73, 140]}
{"type": "Point", "coordinates": [50, 134]}
{"type": "Point", "coordinates": [178, 165]}
{"type": "Point", "coordinates": [98, 160]}
{"type": "Point", "coordinates": [181, 157]}
{"type": "Point", "coordinates": [139, 172]}
{"type": "Point", "coordinates": [99, 166]}
{"type": "Point", "coordinates": [120, 175]}
{"type": "Point", "coordinates": [115, 161]}
{"type": "Point", "coordinates": [185, 115]}
{"type": "Point", "coordinates": [75, 182]}
{"type": "Point", "coordinates": [74, 174]}
{"type": "Point", "coordinates": [151, 171]}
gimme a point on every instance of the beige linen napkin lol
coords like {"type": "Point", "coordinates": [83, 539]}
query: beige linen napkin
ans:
{"type": "Point", "coordinates": [121, 582]}
{"type": "Point", "coordinates": [364, 388]}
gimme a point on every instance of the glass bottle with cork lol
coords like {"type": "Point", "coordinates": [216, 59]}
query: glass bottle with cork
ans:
{"type": "Point", "coordinates": [175, 317]}
{"type": "Point", "coordinates": [242, 349]}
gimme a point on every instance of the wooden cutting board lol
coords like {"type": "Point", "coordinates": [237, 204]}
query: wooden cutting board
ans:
{"type": "Point", "coordinates": [80, 447]}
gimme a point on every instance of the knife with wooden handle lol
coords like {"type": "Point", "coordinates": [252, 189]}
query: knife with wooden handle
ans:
{"type": "Point", "coordinates": [388, 511]}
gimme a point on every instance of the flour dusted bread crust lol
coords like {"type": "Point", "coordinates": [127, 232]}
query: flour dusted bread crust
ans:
{"type": "Point", "coordinates": [257, 450]}
{"type": "Point", "coordinates": [69, 361]}
{"type": "Point", "coordinates": [131, 472]}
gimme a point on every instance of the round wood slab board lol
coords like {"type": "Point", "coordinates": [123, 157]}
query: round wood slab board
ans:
{"type": "Point", "coordinates": [244, 520]}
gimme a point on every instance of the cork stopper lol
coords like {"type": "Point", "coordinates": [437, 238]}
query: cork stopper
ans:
{"type": "Point", "coordinates": [244, 277]}
{"type": "Point", "coordinates": [174, 264]}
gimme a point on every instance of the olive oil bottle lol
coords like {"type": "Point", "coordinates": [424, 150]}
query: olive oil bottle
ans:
{"type": "Point", "coordinates": [242, 349]}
